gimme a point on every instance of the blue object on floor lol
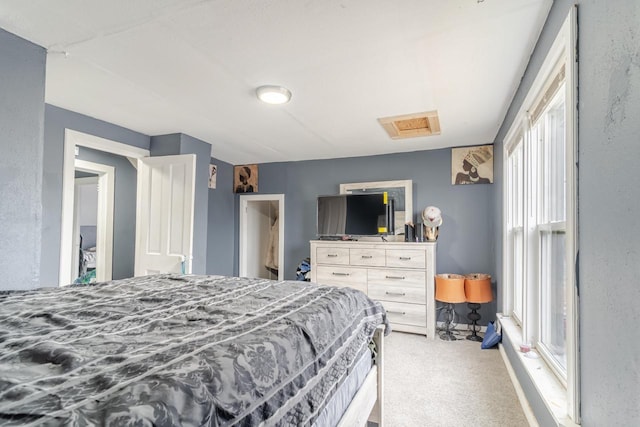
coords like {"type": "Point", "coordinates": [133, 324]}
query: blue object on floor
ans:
{"type": "Point", "coordinates": [304, 268]}
{"type": "Point", "coordinates": [491, 337]}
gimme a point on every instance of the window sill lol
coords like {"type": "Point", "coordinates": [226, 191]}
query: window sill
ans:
{"type": "Point", "coordinates": [551, 391]}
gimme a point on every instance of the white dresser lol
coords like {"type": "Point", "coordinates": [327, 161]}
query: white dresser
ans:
{"type": "Point", "coordinates": [400, 275]}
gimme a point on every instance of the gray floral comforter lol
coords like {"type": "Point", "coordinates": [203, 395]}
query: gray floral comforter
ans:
{"type": "Point", "coordinates": [178, 350]}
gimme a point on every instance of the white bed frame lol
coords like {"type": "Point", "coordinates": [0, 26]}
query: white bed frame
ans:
{"type": "Point", "coordinates": [367, 404]}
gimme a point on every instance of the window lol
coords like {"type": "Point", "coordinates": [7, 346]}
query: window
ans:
{"type": "Point", "coordinates": [551, 233]}
{"type": "Point", "coordinates": [540, 238]}
{"type": "Point", "coordinates": [515, 227]}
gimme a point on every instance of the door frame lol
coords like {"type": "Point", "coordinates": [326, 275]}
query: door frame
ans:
{"type": "Point", "coordinates": [72, 139]}
{"type": "Point", "coordinates": [77, 244]}
{"type": "Point", "coordinates": [104, 221]}
{"type": "Point", "coordinates": [243, 243]}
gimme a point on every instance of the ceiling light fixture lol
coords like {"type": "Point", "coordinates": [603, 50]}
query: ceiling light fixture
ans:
{"type": "Point", "coordinates": [273, 94]}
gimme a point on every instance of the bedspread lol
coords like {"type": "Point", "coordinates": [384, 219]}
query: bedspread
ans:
{"type": "Point", "coordinates": [178, 350]}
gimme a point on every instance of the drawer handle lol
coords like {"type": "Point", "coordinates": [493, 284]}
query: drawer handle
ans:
{"type": "Point", "coordinates": [340, 274]}
{"type": "Point", "coordinates": [405, 258]}
{"type": "Point", "coordinates": [402, 313]}
{"type": "Point", "coordinates": [395, 277]}
{"type": "Point", "coordinates": [367, 256]}
{"type": "Point", "coordinates": [396, 293]}
{"type": "Point", "coordinates": [332, 255]}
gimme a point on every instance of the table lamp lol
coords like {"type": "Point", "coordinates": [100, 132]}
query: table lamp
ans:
{"type": "Point", "coordinates": [450, 290]}
{"type": "Point", "coordinates": [477, 289]}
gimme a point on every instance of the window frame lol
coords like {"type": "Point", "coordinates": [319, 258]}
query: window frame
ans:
{"type": "Point", "coordinates": [562, 52]}
{"type": "Point", "coordinates": [515, 309]}
{"type": "Point", "coordinates": [546, 224]}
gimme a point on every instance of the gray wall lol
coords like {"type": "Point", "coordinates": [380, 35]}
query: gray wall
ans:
{"type": "Point", "coordinates": [609, 251]}
{"type": "Point", "coordinates": [22, 80]}
{"type": "Point", "coordinates": [178, 143]}
{"type": "Point", "coordinates": [467, 238]}
{"type": "Point", "coordinates": [124, 215]}
{"type": "Point", "coordinates": [609, 190]}
{"type": "Point", "coordinates": [165, 145]}
{"type": "Point", "coordinates": [221, 248]}
{"type": "Point", "coordinates": [56, 120]}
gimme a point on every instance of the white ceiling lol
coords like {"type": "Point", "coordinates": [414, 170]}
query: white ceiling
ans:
{"type": "Point", "coordinates": [191, 66]}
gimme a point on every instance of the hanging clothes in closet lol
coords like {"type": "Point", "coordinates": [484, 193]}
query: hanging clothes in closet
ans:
{"type": "Point", "coordinates": [271, 261]}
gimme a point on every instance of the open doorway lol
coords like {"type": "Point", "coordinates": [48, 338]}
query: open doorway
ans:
{"type": "Point", "coordinates": [127, 253]}
{"type": "Point", "coordinates": [92, 233]}
{"type": "Point", "coordinates": [261, 241]}
{"type": "Point", "coordinates": [85, 226]}
{"type": "Point", "coordinates": [69, 249]}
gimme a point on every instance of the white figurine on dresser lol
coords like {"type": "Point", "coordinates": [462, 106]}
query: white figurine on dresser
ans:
{"type": "Point", "coordinates": [398, 274]}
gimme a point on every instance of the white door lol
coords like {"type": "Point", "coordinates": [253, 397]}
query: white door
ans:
{"type": "Point", "coordinates": [164, 214]}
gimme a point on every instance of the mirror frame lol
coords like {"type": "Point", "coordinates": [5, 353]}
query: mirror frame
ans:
{"type": "Point", "coordinates": [406, 185]}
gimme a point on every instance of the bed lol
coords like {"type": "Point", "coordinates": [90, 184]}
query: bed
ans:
{"type": "Point", "coordinates": [87, 256]}
{"type": "Point", "coordinates": [87, 260]}
{"type": "Point", "coordinates": [191, 350]}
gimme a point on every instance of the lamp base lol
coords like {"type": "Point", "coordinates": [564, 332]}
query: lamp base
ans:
{"type": "Point", "coordinates": [474, 316]}
{"type": "Point", "coordinates": [447, 336]}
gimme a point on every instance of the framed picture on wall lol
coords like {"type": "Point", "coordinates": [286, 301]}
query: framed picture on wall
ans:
{"type": "Point", "coordinates": [245, 179]}
{"type": "Point", "coordinates": [472, 165]}
{"type": "Point", "coordinates": [213, 174]}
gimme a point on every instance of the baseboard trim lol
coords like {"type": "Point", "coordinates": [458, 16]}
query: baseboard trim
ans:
{"type": "Point", "coordinates": [552, 393]}
{"type": "Point", "coordinates": [524, 403]}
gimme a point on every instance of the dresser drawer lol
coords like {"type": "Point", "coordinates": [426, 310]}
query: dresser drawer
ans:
{"type": "Point", "coordinates": [398, 286]}
{"type": "Point", "coordinates": [406, 258]}
{"type": "Point", "coordinates": [406, 314]}
{"type": "Point", "coordinates": [411, 295]}
{"type": "Point", "coordinates": [367, 257]}
{"type": "Point", "coordinates": [342, 276]}
{"type": "Point", "coordinates": [332, 256]}
{"type": "Point", "coordinates": [394, 277]}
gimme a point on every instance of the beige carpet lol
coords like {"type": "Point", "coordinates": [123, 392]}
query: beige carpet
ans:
{"type": "Point", "coordinates": [446, 383]}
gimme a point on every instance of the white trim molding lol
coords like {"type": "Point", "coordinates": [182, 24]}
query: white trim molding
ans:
{"type": "Point", "coordinates": [103, 144]}
{"type": "Point", "coordinates": [72, 139]}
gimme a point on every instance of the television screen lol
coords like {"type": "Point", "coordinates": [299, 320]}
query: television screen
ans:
{"type": "Point", "coordinates": [354, 215]}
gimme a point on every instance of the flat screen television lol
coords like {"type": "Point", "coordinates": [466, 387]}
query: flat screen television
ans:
{"type": "Point", "coordinates": [355, 215]}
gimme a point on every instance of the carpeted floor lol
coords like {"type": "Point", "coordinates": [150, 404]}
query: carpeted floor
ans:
{"type": "Point", "coordinates": [446, 383]}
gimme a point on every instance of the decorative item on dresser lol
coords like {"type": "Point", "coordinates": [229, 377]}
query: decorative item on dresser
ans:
{"type": "Point", "coordinates": [432, 220]}
{"type": "Point", "coordinates": [398, 274]}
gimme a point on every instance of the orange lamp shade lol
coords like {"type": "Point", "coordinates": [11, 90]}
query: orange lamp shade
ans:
{"type": "Point", "coordinates": [477, 288]}
{"type": "Point", "coordinates": [450, 288]}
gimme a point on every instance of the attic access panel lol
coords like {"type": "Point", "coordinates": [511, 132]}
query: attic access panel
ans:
{"type": "Point", "coordinates": [412, 125]}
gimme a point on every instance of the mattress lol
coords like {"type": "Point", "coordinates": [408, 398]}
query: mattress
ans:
{"type": "Point", "coordinates": [353, 380]}
{"type": "Point", "coordinates": [179, 350]}
{"type": "Point", "coordinates": [89, 258]}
